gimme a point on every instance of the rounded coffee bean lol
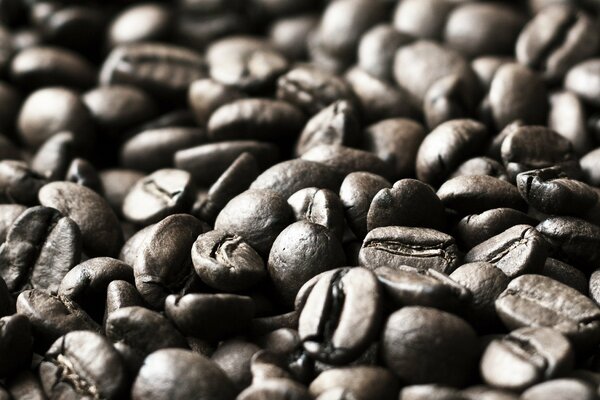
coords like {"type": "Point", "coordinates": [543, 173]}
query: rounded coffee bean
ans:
{"type": "Point", "coordinates": [567, 274]}
{"type": "Point", "coordinates": [590, 164]}
{"type": "Point", "coordinates": [100, 230]}
{"type": "Point", "coordinates": [424, 19]}
{"type": "Point", "coordinates": [18, 183]}
{"type": "Point", "coordinates": [301, 251]}
{"type": "Point", "coordinates": [536, 300]}
{"type": "Point", "coordinates": [141, 23]}
{"type": "Point", "coordinates": [120, 294]}
{"type": "Point", "coordinates": [227, 262]}
{"type": "Point", "coordinates": [42, 245]}
{"type": "Point", "coordinates": [395, 246]}
{"type": "Point", "coordinates": [210, 316]}
{"type": "Point", "coordinates": [51, 110]}
{"type": "Point", "coordinates": [516, 251]}
{"type": "Point", "coordinates": [83, 173]}
{"type": "Point", "coordinates": [275, 389]}
{"type": "Point", "coordinates": [485, 282]}
{"type": "Point", "coordinates": [53, 158]}
{"type": "Point", "coordinates": [357, 315]}
{"type": "Point", "coordinates": [8, 214]}
{"type": "Point", "coordinates": [164, 263]}
{"type": "Point", "coordinates": [478, 193]}
{"type": "Point", "coordinates": [408, 203]}
{"type": "Point", "coordinates": [15, 344]}
{"type": "Point", "coordinates": [560, 389]}
{"type": "Point", "coordinates": [424, 345]}
{"type": "Point", "coordinates": [162, 193]}
{"type": "Point", "coordinates": [582, 80]}
{"type": "Point", "coordinates": [568, 117]}
{"type": "Point", "coordinates": [319, 206]}
{"type": "Point", "coordinates": [288, 34]}
{"type": "Point", "coordinates": [430, 391]}
{"type": "Point", "coordinates": [117, 183]}
{"type": "Point", "coordinates": [480, 166]}
{"type": "Point", "coordinates": [207, 95]}
{"type": "Point", "coordinates": [258, 216]}
{"type": "Point", "coordinates": [83, 364]}
{"type": "Point", "coordinates": [408, 286]}
{"type": "Point", "coordinates": [377, 49]}
{"type": "Point", "coordinates": [356, 193]}
{"type": "Point", "coordinates": [364, 382]}
{"type": "Point", "coordinates": [477, 228]}
{"type": "Point", "coordinates": [345, 160]}
{"type": "Point", "coordinates": [233, 356]}
{"type": "Point", "coordinates": [525, 357]}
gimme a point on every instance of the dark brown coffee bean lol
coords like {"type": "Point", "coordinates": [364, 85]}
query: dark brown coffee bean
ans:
{"type": "Point", "coordinates": [53, 158]}
{"type": "Point", "coordinates": [567, 274]}
{"type": "Point", "coordinates": [288, 34]}
{"type": "Point", "coordinates": [581, 79]}
{"type": "Point", "coordinates": [424, 19]}
{"type": "Point", "coordinates": [8, 214]}
{"type": "Point", "coordinates": [207, 95]}
{"type": "Point", "coordinates": [568, 117]}
{"type": "Point", "coordinates": [233, 356]}
{"type": "Point", "coordinates": [363, 382]}
{"type": "Point", "coordinates": [116, 184]}
{"type": "Point", "coordinates": [319, 206]}
{"type": "Point", "coordinates": [480, 166]}
{"type": "Point", "coordinates": [18, 183]}
{"type": "Point", "coordinates": [140, 23]}
{"type": "Point", "coordinates": [345, 160]}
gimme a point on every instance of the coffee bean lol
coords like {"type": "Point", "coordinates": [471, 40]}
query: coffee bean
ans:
{"type": "Point", "coordinates": [66, 370]}
{"type": "Point", "coordinates": [18, 183]}
{"type": "Point", "coordinates": [424, 345]}
{"type": "Point", "coordinates": [41, 246]}
{"type": "Point", "coordinates": [351, 298]}
{"type": "Point", "coordinates": [550, 191]}
{"type": "Point", "coordinates": [408, 203]}
{"type": "Point", "coordinates": [567, 274]}
{"type": "Point", "coordinates": [535, 300]}
{"type": "Point", "coordinates": [480, 166]}
{"type": "Point", "coordinates": [8, 214]}
{"type": "Point", "coordinates": [210, 316]}
{"type": "Point", "coordinates": [164, 264]}
{"type": "Point", "coordinates": [525, 357]}
{"type": "Point", "coordinates": [581, 80]}
{"type": "Point", "coordinates": [345, 160]}
{"type": "Point", "coordinates": [301, 251]}
{"type": "Point", "coordinates": [116, 184]}
{"type": "Point", "coordinates": [589, 164]}
{"type": "Point", "coordinates": [377, 49]}
{"type": "Point", "coordinates": [408, 286]}
{"type": "Point", "coordinates": [83, 173]}
{"type": "Point", "coordinates": [227, 262]}
{"type": "Point", "coordinates": [207, 95]}
{"type": "Point", "coordinates": [573, 240]}
{"type": "Point", "coordinates": [15, 344]}
{"type": "Point", "coordinates": [120, 294]}
{"type": "Point", "coordinates": [100, 230]}
{"type": "Point", "coordinates": [560, 389]}
{"type": "Point", "coordinates": [164, 71]}
{"type": "Point", "coordinates": [364, 382]}
{"type": "Point", "coordinates": [484, 392]}
{"type": "Point", "coordinates": [158, 195]}
{"type": "Point", "coordinates": [141, 23]}
{"type": "Point", "coordinates": [516, 251]}
{"type": "Point", "coordinates": [424, 19]}
{"type": "Point", "coordinates": [557, 38]}
{"type": "Point", "coordinates": [53, 158]}
{"type": "Point", "coordinates": [568, 117]}
{"type": "Point", "coordinates": [430, 391]}
{"type": "Point", "coordinates": [276, 389]}
{"type": "Point", "coordinates": [132, 247]}
{"type": "Point", "coordinates": [154, 149]}
{"type": "Point", "coordinates": [478, 193]}
{"type": "Point", "coordinates": [234, 357]}
{"type": "Point", "coordinates": [395, 246]}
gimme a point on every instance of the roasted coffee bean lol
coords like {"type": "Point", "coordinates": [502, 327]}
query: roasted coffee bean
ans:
{"type": "Point", "coordinates": [207, 95]}
{"type": "Point", "coordinates": [128, 325]}
{"type": "Point", "coordinates": [363, 382]}
{"type": "Point", "coordinates": [83, 173]}
{"type": "Point", "coordinates": [41, 246]}
{"type": "Point", "coordinates": [164, 71]}
{"type": "Point", "coordinates": [210, 316]}
{"type": "Point", "coordinates": [480, 166]}
{"type": "Point", "coordinates": [158, 195]}
{"type": "Point", "coordinates": [425, 345]}
{"type": "Point", "coordinates": [276, 389]}
{"type": "Point", "coordinates": [312, 89]}
{"type": "Point", "coordinates": [483, 392]}
{"type": "Point", "coordinates": [83, 365]}
{"type": "Point", "coordinates": [345, 160]}
{"type": "Point", "coordinates": [430, 391]}
{"type": "Point", "coordinates": [288, 34]}
{"type": "Point", "coordinates": [100, 230]}
{"type": "Point", "coordinates": [52, 317]}
{"type": "Point", "coordinates": [590, 164]}
{"type": "Point", "coordinates": [227, 262]}
{"type": "Point", "coordinates": [341, 316]}
{"type": "Point", "coordinates": [246, 63]}
{"type": "Point", "coordinates": [301, 251]}
{"type": "Point", "coordinates": [18, 183]}
{"type": "Point", "coordinates": [447, 99]}
{"type": "Point", "coordinates": [235, 180]}
{"type": "Point", "coordinates": [478, 193]}
{"type": "Point", "coordinates": [534, 147]}
{"type": "Point", "coordinates": [557, 38]}
{"type": "Point", "coordinates": [568, 117]}
{"type": "Point", "coordinates": [86, 284]}
{"type": "Point", "coordinates": [53, 158]}
{"type": "Point", "coordinates": [408, 286]}
{"type": "Point", "coordinates": [38, 67]}
{"type": "Point", "coordinates": [120, 294]}
{"type": "Point", "coordinates": [208, 162]}
{"type": "Point", "coordinates": [481, 29]}
{"type": "Point", "coordinates": [424, 19]}
{"type": "Point", "coordinates": [446, 147]}
{"type": "Point", "coordinates": [164, 264]}
{"type": "Point", "coordinates": [560, 389]}
{"type": "Point", "coordinates": [319, 206]}
{"type": "Point", "coordinates": [573, 240]}
{"type": "Point", "coordinates": [233, 356]}
{"type": "Point", "coordinates": [356, 193]}
{"type": "Point", "coordinates": [516, 251]}
{"type": "Point", "coordinates": [550, 191]}
{"type": "Point", "coordinates": [141, 23]}
{"type": "Point", "coordinates": [336, 125]}
{"type": "Point", "coordinates": [581, 79]}
{"type": "Point", "coordinates": [8, 214]}
{"type": "Point", "coordinates": [536, 300]}
{"type": "Point", "coordinates": [525, 357]}
{"type": "Point", "coordinates": [395, 246]}
{"type": "Point", "coordinates": [379, 99]}
{"type": "Point", "coordinates": [154, 149]}
{"type": "Point", "coordinates": [15, 344]}
{"type": "Point", "coordinates": [408, 203]}
{"type": "Point", "coordinates": [117, 184]}
{"type": "Point", "coordinates": [51, 110]}
{"type": "Point", "coordinates": [377, 49]}
{"type": "Point", "coordinates": [179, 375]}
{"type": "Point", "coordinates": [567, 274]}
{"type": "Point", "coordinates": [477, 228]}
{"type": "Point", "coordinates": [258, 216]}
{"type": "Point", "coordinates": [485, 283]}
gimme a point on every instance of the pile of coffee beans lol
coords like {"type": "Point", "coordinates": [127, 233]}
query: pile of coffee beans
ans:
{"type": "Point", "coordinates": [300, 200]}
